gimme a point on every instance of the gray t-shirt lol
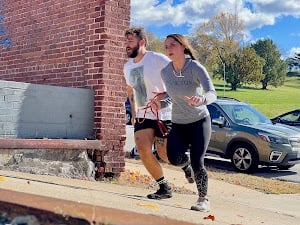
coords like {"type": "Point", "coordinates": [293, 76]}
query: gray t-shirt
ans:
{"type": "Point", "coordinates": [190, 81]}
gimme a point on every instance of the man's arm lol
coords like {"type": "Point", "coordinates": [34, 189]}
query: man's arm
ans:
{"type": "Point", "coordinates": [132, 103]}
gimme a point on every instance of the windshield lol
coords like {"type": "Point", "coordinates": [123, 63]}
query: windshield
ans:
{"type": "Point", "coordinates": [245, 114]}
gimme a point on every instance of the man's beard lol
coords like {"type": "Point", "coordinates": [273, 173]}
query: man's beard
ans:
{"type": "Point", "coordinates": [134, 52]}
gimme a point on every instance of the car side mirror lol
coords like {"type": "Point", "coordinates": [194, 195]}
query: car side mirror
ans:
{"type": "Point", "coordinates": [219, 121]}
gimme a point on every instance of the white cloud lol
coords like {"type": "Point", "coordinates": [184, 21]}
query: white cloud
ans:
{"type": "Point", "coordinates": [277, 7]}
{"type": "Point", "coordinates": [148, 12]}
{"type": "Point", "coordinates": [293, 52]}
{"type": "Point", "coordinates": [254, 13]}
{"type": "Point", "coordinates": [192, 13]}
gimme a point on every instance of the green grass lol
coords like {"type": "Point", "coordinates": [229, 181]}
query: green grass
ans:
{"type": "Point", "coordinates": [271, 102]}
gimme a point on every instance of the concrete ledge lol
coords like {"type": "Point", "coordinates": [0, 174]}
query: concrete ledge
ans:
{"type": "Point", "coordinates": [14, 143]}
{"type": "Point", "coordinates": [46, 207]}
{"type": "Point", "coordinates": [57, 157]}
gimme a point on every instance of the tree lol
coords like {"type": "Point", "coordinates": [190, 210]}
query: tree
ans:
{"type": "Point", "coordinates": [247, 67]}
{"type": "Point", "coordinates": [243, 67]}
{"type": "Point", "coordinates": [154, 43]}
{"type": "Point", "coordinates": [293, 62]}
{"type": "Point", "coordinates": [203, 45]}
{"type": "Point", "coordinates": [274, 70]}
{"type": "Point", "coordinates": [218, 42]}
{"type": "Point", "coordinates": [221, 34]}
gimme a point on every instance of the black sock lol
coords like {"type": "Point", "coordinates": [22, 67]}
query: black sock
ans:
{"type": "Point", "coordinates": [162, 183]}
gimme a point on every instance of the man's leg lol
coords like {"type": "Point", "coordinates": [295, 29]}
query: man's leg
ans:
{"type": "Point", "coordinates": [144, 140]}
{"type": "Point", "coordinates": [161, 147]}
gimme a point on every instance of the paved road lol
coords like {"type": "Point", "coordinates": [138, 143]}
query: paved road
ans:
{"type": "Point", "coordinates": [268, 172]}
{"type": "Point", "coordinates": [293, 174]}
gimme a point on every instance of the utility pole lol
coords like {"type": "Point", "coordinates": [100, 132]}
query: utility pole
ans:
{"type": "Point", "coordinates": [224, 78]}
{"type": "Point", "coordinates": [224, 74]}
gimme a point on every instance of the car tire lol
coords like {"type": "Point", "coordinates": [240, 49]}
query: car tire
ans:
{"type": "Point", "coordinates": [244, 158]}
{"type": "Point", "coordinates": [128, 118]}
{"type": "Point", "coordinates": [134, 153]}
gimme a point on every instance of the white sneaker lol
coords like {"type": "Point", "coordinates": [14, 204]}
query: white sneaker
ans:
{"type": "Point", "coordinates": [201, 205]}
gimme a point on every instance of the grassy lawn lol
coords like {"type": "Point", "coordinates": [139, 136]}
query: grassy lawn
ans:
{"type": "Point", "coordinates": [271, 102]}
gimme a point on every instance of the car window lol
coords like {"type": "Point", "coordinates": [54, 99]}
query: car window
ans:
{"type": "Point", "coordinates": [290, 117]}
{"type": "Point", "coordinates": [244, 114]}
{"type": "Point", "coordinates": [214, 112]}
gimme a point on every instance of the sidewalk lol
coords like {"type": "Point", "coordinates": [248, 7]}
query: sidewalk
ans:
{"type": "Point", "coordinates": [231, 204]}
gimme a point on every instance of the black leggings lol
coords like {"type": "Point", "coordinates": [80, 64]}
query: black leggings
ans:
{"type": "Point", "coordinates": [194, 136]}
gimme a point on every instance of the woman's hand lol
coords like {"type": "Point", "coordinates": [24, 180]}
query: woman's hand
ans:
{"type": "Point", "coordinates": [194, 100]}
{"type": "Point", "coordinates": [155, 104]}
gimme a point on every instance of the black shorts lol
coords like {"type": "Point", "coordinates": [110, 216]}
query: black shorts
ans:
{"type": "Point", "coordinates": [147, 123]}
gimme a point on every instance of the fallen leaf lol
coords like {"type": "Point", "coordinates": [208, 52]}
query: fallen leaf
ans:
{"type": "Point", "coordinates": [2, 178]}
{"type": "Point", "coordinates": [177, 205]}
{"type": "Point", "coordinates": [209, 217]}
{"type": "Point", "coordinates": [151, 206]}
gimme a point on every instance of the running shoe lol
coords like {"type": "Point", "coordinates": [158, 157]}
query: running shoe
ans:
{"type": "Point", "coordinates": [188, 173]}
{"type": "Point", "coordinates": [201, 205]}
{"type": "Point", "coordinates": [161, 194]}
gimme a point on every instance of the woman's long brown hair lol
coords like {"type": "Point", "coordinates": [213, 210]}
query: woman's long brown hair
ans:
{"type": "Point", "coordinates": [188, 49]}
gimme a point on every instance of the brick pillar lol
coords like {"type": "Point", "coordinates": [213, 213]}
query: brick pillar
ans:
{"type": "Point", "coordinates": [105, 56]}
{"type": "Point", "coordinates": [72, 43]}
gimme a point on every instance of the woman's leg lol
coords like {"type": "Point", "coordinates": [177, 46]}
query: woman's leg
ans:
{"type": "Point", "coordinates": [200, 133]}
{"type": "Point", "coordinates": [200, 137]}
{"type": "Point", "coordinates": [177, 145]}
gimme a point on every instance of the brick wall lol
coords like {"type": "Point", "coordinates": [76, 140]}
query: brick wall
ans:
{"type": "Point", "coordinates": [72, 43]}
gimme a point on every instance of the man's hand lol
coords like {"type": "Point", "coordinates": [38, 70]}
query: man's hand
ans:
{"type": "Point", "coordinates": [132, 118]}
{"type": "Point", "coordinates": [132, 103]}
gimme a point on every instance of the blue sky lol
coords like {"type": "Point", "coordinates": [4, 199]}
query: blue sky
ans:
{"type": "Point", "coordinates": [278, 20]}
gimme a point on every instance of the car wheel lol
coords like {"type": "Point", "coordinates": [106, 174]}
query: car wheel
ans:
{"type": "Point", "coordinates": [244, 158]}
{"type": "Point", "coordinates": [285, 167]}
{"type": "Point", "coordinates": [128, 118]}
{"type": "Point", "coordinates": [134, 152]}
